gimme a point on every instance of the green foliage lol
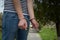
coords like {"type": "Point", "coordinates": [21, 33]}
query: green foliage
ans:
{"type": "Point", "coordinates": [47, 10]}
{"type": "Point", "coordinates": [48, 33]}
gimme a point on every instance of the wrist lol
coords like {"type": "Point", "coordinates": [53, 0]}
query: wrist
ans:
{"type": "Point", "coordinates": [32, 19]}
{"type": "Point", "coordinates": [21, 18]}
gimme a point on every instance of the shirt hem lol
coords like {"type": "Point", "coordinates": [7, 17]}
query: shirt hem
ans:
{"type": "Point", "coordinates": [14, 12]}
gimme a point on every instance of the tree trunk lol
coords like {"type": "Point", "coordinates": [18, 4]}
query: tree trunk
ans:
{"type": "Point", "coordinates": [58, 26]}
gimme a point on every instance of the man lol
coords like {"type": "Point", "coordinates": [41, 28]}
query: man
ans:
{"type": "Point", "coordinates": [16, 18]}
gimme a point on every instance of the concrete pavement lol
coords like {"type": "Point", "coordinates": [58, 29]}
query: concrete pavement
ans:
{"type": "Point", "coordinates": [33, 35]}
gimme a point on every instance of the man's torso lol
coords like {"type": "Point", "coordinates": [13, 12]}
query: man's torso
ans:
{"type": "Point", "coordinates": [9, 6]}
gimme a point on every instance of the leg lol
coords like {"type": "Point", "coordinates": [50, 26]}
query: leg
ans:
{"type": "Point", "coordinates": [22, 34]}
{"type": "Point", "coordinates": [9, 26]}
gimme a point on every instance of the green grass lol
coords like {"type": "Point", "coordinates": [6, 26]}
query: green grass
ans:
{"type": "Point", "coordinates": [48, 34]}
{"type": "Point", "coordinates": [0, 35]}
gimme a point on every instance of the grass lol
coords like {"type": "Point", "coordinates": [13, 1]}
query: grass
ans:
{"type": "Point", "coordinates": [48, 33]}
{"type": "Point", "coordinates": [0, 35]}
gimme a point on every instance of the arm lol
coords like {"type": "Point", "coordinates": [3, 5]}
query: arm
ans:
{"type": "Point", "coordinates": [31, 14]}
{"type": "Point", "coordinates": [18, 8]}
{"type": "Point", "coordinates": [30, 8]}
{"type": "Point", "coordinates": [22, 22]}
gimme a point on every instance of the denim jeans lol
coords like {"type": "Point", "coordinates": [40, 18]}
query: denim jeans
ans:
{"type": "Point", "coordinates": [10, 30]}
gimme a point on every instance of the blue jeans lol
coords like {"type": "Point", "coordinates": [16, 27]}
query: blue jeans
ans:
{"type": "Point", "coordinates": [10, 30]}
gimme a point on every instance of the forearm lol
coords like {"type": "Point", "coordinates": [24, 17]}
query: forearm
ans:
{"type": "Point", "coordinates": [30, 8]}
{"type": "Point", "coordinates": [18, 8]}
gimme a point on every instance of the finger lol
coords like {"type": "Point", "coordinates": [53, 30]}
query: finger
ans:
{"type": "Point", "coordinates": [36, 26]}
{"type": "Point", "coordinates": [25, 26]}
{"type": "Point", "coordinates": [20, 24]}
{"type": "Point", "coordinates": [20, 27]}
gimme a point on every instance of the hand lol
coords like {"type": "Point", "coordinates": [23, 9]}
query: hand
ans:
{"type": "Point", "coordinates": [22, 24]}
{"type": "Point", "coordinates": [35, 24]}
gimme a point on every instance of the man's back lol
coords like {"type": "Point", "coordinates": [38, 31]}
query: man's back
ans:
{"type": "Point", "coordinates": [9, 6]}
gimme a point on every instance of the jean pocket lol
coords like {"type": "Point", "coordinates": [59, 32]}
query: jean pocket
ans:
{"type": "Point", "coordinates": [12, 16]}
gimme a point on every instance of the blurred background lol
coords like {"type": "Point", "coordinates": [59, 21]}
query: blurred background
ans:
{"type": "Point", "coordinates": [47, 13]}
